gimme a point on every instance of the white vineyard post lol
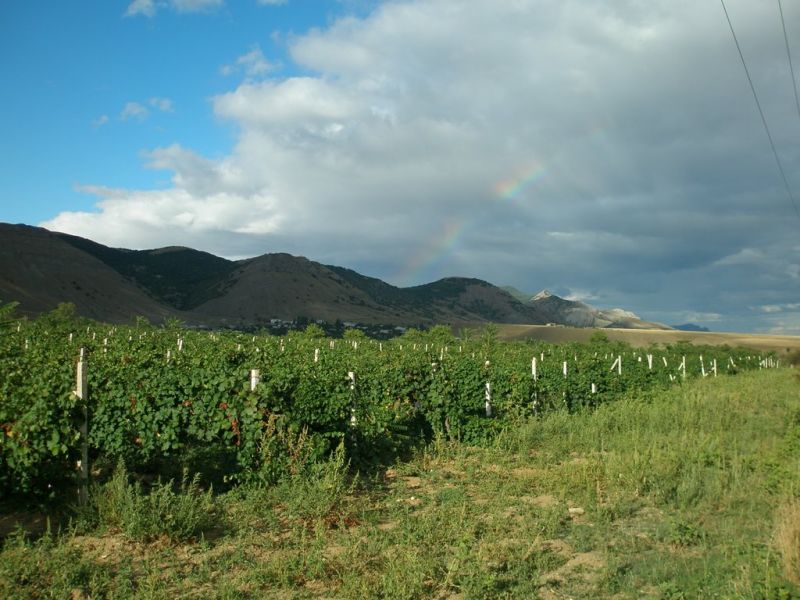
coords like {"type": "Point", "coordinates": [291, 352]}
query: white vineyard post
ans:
{"type": "Point", "coordinates": [488, 402]}
{"type": "Point", "coordinates": [180, 344]}
{"type": "Point", "coordinates": [682, 367]}
{"type": "Point", "coordinates": [255, 377]}
{"type": "Point", "coordinates": [617, 365]}
{"type": "Point", "coordinates": [533, 369]}
{"type": "Point", "coordinates": [664, 358]}
{"type": "Point", "coordinates": [594, 388]}
{"type": "Point", "coordinates": [82, 393]}
{"type": "Point", "coordinates": [316, 355]}
{"type": "Point", "coordinates": [702, 366]}
{"type": "Point", "coordinates": [714, 367]}
{"type": "Point", "coordinates": [70, 339]}
{"type": "Point", "coordinates": [649, 362]}
{"type": "Point", "coordinates": [565, 369]}
{"type": "Point", "coordinates": [352, 377]}
{"type": "Point", "coordinates": [169, 355]}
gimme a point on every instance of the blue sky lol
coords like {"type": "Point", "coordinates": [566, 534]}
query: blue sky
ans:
{"type": "Point", "coordinates": [76, 65]}
{"type": "Point", "coordinates": [609, 151]}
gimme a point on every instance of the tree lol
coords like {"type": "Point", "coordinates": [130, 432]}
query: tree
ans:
{"type": "Point", "coordinates": [354, 334]}
{"type": "Point", "coordinates": [313, 331]}
{"type": "Point", "coordinates": [441, 334]}
{"type": "Point", "coordinates": [7, 313]}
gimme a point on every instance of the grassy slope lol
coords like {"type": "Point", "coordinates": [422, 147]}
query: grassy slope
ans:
{"type": "Point", "coordinates": [670, 497]}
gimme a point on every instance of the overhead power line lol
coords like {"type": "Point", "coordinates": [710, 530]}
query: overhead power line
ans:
{"type": "Point", "coordinates": [789, 56]}
{"type": "Point", "coordinates": [761, 112]}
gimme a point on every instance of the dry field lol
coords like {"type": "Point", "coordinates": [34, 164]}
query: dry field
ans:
{"type": "Point", "coordinates": [780, 344]}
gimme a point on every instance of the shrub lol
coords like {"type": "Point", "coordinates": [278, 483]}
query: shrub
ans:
{"type": "Point", "coordinates": [178, 515]}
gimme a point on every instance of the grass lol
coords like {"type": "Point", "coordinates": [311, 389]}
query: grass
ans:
{"type": "Point", "coordinates": [693, 493]}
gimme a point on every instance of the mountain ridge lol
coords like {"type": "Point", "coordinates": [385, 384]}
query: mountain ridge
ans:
{"type": "Point", "coordinates": [117, 284]}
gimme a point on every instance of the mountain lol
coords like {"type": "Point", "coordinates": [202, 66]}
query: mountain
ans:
{"type": "Point", "coordinates": [519, 295]}
{"type": "Point", "coordinates": [578, 314]}
{"type": "Point", "coordinates": [39, 269]}
{"type": "Point", "coordinates": [690, 327]}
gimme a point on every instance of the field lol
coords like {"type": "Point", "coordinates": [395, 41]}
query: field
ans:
{"type": "Point", "coordinates": [581, 471]}
{"type": "Point", "coordinates": [690, 494]}
{"type": "Point", "coordinates": [780, 344]}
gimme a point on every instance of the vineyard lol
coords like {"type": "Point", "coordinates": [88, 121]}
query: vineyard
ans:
{"type": "Point", "coordinates": [257, 407]}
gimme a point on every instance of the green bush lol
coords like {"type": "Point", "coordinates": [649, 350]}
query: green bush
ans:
{"type": "Point", "coordinates": [178, 515]}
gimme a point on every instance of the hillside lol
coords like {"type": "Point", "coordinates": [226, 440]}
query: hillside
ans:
{"type": "Point", "coordinates": [577, 314]}
{"type": "Point", "coordinates": [42, 268]}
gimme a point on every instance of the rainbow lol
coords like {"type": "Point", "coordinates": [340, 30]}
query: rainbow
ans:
{"type": "Point", "coordinates": [437, 248]}
{"type": "Point", "coordinates": [510, 189]}
{"type": "Point", "coordinates": [447, 240]}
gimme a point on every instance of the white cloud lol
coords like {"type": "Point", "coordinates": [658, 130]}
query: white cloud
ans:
{"type": "Point", "coordinates": [149, 8]}
{"type": "Point", "coordinates": [162, 104]}
{"type": "Point", "coordinates": [100, 121]}
{"type": "Point", "coordinates": [253, 64]}
{"type": "Point", "coordinates": [581, 296]}
{"type": "Point", "coordinates": [195, 5]}
{"type": "Point", "coordinates": [134, 110]}
{"type": "Point", "coordinates": [603, 146]}
{"type": "Point", "coordinates": [272, 2]}
{"type": "Point", "coordinates": [141, 7]}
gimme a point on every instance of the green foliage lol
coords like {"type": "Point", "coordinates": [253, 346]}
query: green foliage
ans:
{"type": "Point", "coordinates": [174, 324]}
{"type": "Point", "coordinates": [441, 335]}
{"type": "Point", "coordinates": [178, 515]}
{"type": "Point", "coordinates": [156, 397]}
{"type": "Point", "coordinates": [7, 310]}
{"type": "Point", "coordinates": [354, 333]}
{"type": "Point", "coordinates": [314, 332]}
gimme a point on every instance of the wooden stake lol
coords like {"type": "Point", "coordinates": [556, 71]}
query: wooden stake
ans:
{"type": "Point", "coordinates": [255, 377]}
{"type": "Point", "coordinates": [82, 393]}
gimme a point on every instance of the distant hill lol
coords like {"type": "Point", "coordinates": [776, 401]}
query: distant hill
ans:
{"type": "Point", "coordinates": [690, 327]}
{"type": "Point", "coordinates": [578, 314]}
{"type": "Point", "coordinates": [39, 269]}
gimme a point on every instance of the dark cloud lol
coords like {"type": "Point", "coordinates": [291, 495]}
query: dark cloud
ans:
{"type": "Point", "coordinates": [608, 149]}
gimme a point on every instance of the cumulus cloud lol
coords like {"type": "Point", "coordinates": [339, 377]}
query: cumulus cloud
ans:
{"type": "Point", "coordinates": [100, 121]}
{"type": "Point", "coordinates": [139, 111]}
{"type": "Point", "coordinates": [608, 146]}
{"type": "Point", "coordinates": [162, 104]}
{"type": "Point", "coordinates": [141, 7]}
{"type": "Point", "coordinates": [148, 8]}
{"type": "Point", "coordinates": [252, 64]}
{"type": "Point", "coordinates": [134, 110]}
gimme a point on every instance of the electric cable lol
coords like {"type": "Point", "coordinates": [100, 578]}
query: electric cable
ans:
{"type": "Point", "coordinates": [761, 112]}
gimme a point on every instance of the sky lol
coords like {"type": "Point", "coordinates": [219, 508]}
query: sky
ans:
{"type": "Point", "coordinates": [610, 151]}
